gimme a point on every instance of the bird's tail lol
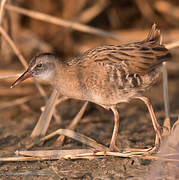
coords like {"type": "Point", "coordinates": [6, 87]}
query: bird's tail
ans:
{"type": "Point", "coordinates": [154, 37]}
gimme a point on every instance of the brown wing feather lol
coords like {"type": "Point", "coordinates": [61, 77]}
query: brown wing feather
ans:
{"type": "Point", "coordinates": [135, 58]}
{"type": "Point", "coordinates": [148, 54]}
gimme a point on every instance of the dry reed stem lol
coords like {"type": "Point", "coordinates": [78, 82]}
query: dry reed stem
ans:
{"type": "Point", "coordinates": [9, 76]}
{"type": "Point", "coordinates": [61, 99]}
{"type": "Point", "coordinates": [44, 120]}
{"type": "Point", "coordinates": [90, 13]}
{"type": "Point", "coordinates": [167, 8]}
{"type": "Point", "coordinates": [3, 2]}
{"type": "Point", "coordinates": [80, 154]}
{"type": "Point", "coordinates": [21, 58]}
{"type": "Point", "coordinates": [167, 124]}
{"type": "Point", "coordinates": [76, 153]}
{"type": "Point", "coordinates": [145, 9]}
{"type": "Point", "coordinates": [58, 101]}
{"type": "Point", "coordinates": [53, 154]}
{"type": "Point", "coordinates": [74, 122]}
{"type": "Point", "coordinates": [20, 158]}
{"type": "Point", "coordinates": [64, 23]}
{"type": "Point", "coordinates": [17, 92]}
{"type": "Point", "coordinates": [172, 45]}
{"type": "Point", "coordinates": [14, 47]}
{"type": "Point", "coordinates": [74, 135]}
{"type": "Point", "coordinates": [16, 102]}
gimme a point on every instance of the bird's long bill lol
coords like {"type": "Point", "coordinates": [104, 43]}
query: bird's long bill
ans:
{"type": "Point", "coordinates": [24, 76]}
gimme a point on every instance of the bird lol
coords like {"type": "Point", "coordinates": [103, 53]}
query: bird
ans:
{"type": "Point", "coordinates": [106, 75]}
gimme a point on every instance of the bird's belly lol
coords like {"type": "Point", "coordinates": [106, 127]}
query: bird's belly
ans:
{"type": "Point", "coordinates": [105, 96]}
{"type": "Point", "coordinates": [103, 90]}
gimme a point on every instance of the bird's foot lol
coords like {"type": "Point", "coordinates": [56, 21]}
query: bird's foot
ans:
{"type": "Point", "coordinates": [113, 148]}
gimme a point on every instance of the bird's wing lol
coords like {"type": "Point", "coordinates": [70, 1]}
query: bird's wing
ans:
{"type": "Point", "coordinates": [148, 54]}
{"type": "Point", "coordinates": [135, 58]}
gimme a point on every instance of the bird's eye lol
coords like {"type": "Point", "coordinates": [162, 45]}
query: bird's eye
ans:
{"type": "Point", "coordinates": [39, 65]}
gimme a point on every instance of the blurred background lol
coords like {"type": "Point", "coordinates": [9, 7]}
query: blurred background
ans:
{"type": "Point", "coordinates": [129, 20]}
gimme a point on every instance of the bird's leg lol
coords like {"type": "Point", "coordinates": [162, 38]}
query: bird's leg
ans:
{"type": "Point", "coordinates": [113, 146]}
{"type": "Point", "coordinates": [157, 127]}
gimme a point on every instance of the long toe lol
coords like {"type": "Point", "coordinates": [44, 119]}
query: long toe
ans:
{"type": "Point", "coordinates": [114, 148]}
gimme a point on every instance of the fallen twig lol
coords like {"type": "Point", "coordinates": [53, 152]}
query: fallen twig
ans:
{"type": "Point", "coordinates": [53, 154]}
{"type": "Point", "coordinates": [74, 122]}
{"type": "Point", "coordinates": [74, 135]}
{"type": "Point", "coordinates": [82, 154]}
{"type": "Point", "coordinates": [21, 158]}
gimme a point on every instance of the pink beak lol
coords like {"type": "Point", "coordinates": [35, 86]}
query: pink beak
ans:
{"type": "Point", "coordinates": [24, 76]}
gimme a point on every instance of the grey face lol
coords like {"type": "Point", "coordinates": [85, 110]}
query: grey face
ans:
{"type": "Point", "coordinates": [43, 70]}
{"type": "Point", "coordinates": [42, 66]}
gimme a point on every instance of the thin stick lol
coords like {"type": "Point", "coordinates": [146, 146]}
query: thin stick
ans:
{"type": "Point", "coordinates": [61, 22]}
{"type": "Point", "coordinates": [3, 2]}
{"type": "Point", "coordinates": [15, 49]}
{"type": "Point", "coordinates": [166, 100]}
{"type": "Point", "coordinates": [15, 102]}
{"type": "Point", "coordinates": [167, 8]}
{"type": "Point", "coordinates": [74, 122]}
{"type": "Point", "coordinates": [172, 45]}
{"type": "Point", "coordinates": [9, 76]}
{"type": "Point", "coordinates": [74, 153]}
{"type": "Point", "coordinates": [44, 120]}
{"type": "Point", "coordinates": [22, 158]}
{"type": "Point", "coordinates": [166, 123]}
{"type": "Point", "coordinates": [53, 154]}
{"type": "Point", "coordinates": [93, 11]}
{"type": "Point", "coordinates": [21, 58]}
{"type": "Point", "coordinates": [74, 135]}
{"type": "Point", "coordinates": [61, 99]}
{"type": "Point", "coordinates": [78, 154]}
{"type": "Point", "coordinates": [13, 46]}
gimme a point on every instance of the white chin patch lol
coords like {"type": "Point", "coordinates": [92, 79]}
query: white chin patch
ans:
{"type": "Point", "coordinates": [45, 76]}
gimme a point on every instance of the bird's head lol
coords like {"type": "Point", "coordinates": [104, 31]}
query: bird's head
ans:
{"type": "Point", "coordinates": [42, 67]}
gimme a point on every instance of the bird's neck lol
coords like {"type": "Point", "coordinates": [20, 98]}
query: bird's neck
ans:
{"type": "Point", "coordinates": [65, 81]}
